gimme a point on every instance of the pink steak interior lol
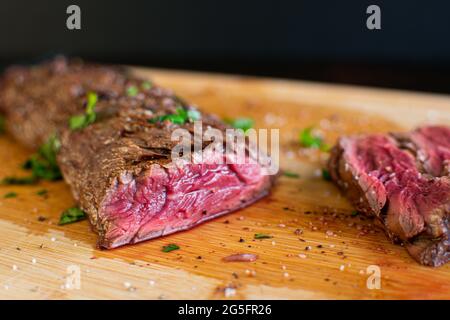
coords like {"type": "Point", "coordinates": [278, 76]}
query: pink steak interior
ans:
{"type": "Point", "coordinates": [165, 200]}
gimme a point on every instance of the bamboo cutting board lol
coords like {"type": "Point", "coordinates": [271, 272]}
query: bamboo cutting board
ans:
{"type": "Point", "coordinates": [319, 250]}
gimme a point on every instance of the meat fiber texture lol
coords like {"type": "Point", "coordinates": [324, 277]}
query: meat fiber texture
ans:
{"type": "Point", "coordinates": [119, 168]}
{"type": "Point", "coordinates": [403, 179]}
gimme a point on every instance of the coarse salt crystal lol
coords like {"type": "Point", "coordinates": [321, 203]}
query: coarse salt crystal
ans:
{"type": "Point", "coordinates": [342, 267]}
{"type": "Point", "coordinates": [250, 272]}
{"type": "Point", "coordinates": [229, 292]}
{"type": "Point", "coordinates": [270, 118]}
{"type": "Point", "coordinates": [33, 261]}
{"type": "Point", "coordinates": [303, 256]}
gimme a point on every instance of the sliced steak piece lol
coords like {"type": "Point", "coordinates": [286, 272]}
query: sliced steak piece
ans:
{"type": "Point", "coordinates": [382, 175]}
{"type": "Point", "coordinates": [431, 145]}
{"type": "Point", "coordinates": [120, 168]}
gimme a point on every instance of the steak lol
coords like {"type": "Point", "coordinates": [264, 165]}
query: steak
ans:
{"type": "Point", "coordinates": [120, 167]}
{"type": "Point", "coordinates": [403, 180]}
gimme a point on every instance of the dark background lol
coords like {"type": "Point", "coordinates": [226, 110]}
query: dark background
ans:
{"type": "Point", "coordinates": [312, 40]}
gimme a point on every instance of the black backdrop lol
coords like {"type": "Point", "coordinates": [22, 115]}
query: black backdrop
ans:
{"type": "Point", "coordinates": [314, 40]}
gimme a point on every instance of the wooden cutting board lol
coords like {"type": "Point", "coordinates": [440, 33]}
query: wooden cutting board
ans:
{"type": "Point", "coordinates": [327, 257]}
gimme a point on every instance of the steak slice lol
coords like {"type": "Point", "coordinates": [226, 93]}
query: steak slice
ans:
{"type": "Point", "coordinates": [120, 168]}
{"type": "Point", "coordinates": [402, 180]}
{"type": "Point", "coordinates": [431, 145]}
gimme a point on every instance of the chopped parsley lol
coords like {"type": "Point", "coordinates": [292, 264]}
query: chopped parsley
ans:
{"type": "Point", "coordinates": [42, 192]}
{"type": "Point", "coordinates": [83, 120]}
{"type": "Point", "coordinates": [42, 164]}
{"type": "Point", "coordinates": [10, 195]}
{"type": "Point", "coordinates": [308, 140]}
{"type": "Point", "coordinates": [71, 215]}
{"type": "Point", "coordinates": [291, 174]}
{"type": "Point", "coordinates": [2, 124]}
{"type": "Point", "coordinates": [180, 117]}
{"type": "Point", "coordinates": [19, 180]}
{"type": "Point", "coordinates": [241, 123]}
{"type": "Point", "coordinates": [132, 91]}
{"type": "Point", "coordinates": [326, 175]}
{"type": "Point", "coordinates": [262, 236]}
{"type": "Point", "coordinates": [146, 85]}
{"type": "Point", "coordinates": [170, 247]}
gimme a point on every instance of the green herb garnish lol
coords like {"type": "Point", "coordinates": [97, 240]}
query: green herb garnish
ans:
{"type": "Point", "coordinates": [71, 215]}
{"type": "Point", "coordinates": [180, 117]}
{"type": "Point", "coordinates": [170, 247]}
{"type": "Point", "coordinates": [10, 195]}
{"type": "Point", "coordinates": [42, 169]}
{"type": "Point", "coordinates": [354, 213]}
{"type": "Point", "coordinates": [291, 174]}
{"type": "Point", "coordinates": [42, 192]}
{"type": "Point", "coordinates": [326, 175]}
{"type": "Point", "coordinates": [42, 164]}
{"type": "Point", "coordinates": [19, 180]}
{"type": "Point", "coordinates": [83, 120]}
{"type": "Point", "coordinates": [132, 91]}
{"type": "Point", "coordinates": [262, 236]}
{"type": "Point", "coordinates": [308, 140]}
{"type": "Point", "coordinates": [50, 149]}
{"type": "Point", "coordinates": [241, 123]}
{"type": "Point", "coordinates": [146, 85]}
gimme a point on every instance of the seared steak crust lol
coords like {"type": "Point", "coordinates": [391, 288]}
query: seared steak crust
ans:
{"type": "Point", "coordinates": [119, 168]}
{"type": "Point", "coordinates": [403, 180]}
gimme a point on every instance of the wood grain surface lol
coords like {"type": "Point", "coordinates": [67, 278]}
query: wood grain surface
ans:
{"type": "Point", "coordinates": [319, 250]}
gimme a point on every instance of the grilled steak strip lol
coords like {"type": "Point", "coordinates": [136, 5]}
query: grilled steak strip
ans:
{"type": "Point", "coordinates": [403, 180]}
{"type": "Point", "coordinates": [119, 168]}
